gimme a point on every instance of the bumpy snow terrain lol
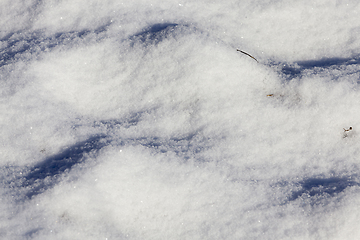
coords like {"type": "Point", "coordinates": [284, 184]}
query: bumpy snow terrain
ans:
{"type": "Point", "coordinates": [141, 120]}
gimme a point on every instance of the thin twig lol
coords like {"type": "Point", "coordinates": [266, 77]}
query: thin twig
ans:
{"type": "Point", "coordinates": [246, 54]}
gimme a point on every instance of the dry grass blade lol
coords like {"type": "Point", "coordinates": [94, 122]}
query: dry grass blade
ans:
{"type": "Point", "coordinates": [247, 54]}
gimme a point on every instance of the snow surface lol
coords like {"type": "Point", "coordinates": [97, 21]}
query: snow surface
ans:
{"type": "Point", "coordinates": [140, 120]}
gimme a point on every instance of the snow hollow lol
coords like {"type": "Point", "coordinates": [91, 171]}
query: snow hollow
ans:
{"type": "Point", "coordinates": [141, 120]}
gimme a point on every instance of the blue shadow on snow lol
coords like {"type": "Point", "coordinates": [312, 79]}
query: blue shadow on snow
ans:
{"type": "Point", "coordinates": [323, 186]}
{"type": "Point", "coordinates": [20, 45]}
{"type": "Point", "coordinates": [295, 70]}
{"type": "Point", "coordinates": [44, 175]}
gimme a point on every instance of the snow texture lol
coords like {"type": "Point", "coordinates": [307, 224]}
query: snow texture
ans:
{"type": "Point", "coordinates": [141, 120]}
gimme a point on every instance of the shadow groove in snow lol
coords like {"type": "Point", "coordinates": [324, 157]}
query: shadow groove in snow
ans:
{"type": "Point", "coordinates": [25, 45]}
{"type": "Point", "coordinates": [44, 175]}
{"type": "Point", "coordinates": [322, 187]}
{"type": "Point", "coordinates": [328, 62]}
{"type": "Point", "coordinates": [296, 69]}
{"type": "Point", "coordinates": [157, 33]}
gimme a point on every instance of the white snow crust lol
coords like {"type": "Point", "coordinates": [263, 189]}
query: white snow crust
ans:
{"type": "Point", "coordinates": [141, 120]}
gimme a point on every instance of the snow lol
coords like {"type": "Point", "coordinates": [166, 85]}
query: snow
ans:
{"type": "Point", "coordinates": [141, 120]}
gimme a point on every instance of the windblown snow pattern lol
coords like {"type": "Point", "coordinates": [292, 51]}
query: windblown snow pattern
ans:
{"type": "Point", "coordinates": [141, 120]}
